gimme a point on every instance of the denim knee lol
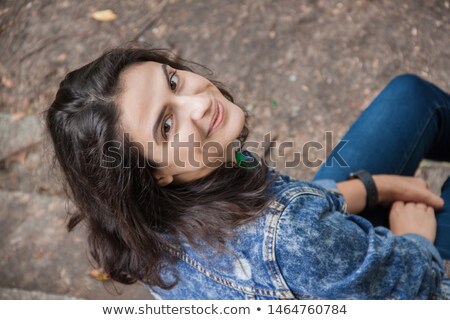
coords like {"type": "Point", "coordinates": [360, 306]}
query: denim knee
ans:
{"type": "Point", "coordinates": [411, 92]}
{"type": "Point", "coordinates": [408, 81]}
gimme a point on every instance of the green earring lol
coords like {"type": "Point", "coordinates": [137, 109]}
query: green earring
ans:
{"type": "Point", "coordinates": [245, 159]}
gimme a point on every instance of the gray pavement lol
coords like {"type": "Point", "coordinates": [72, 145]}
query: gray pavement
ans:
{"type": "Point", "coordinates": [300, 67]}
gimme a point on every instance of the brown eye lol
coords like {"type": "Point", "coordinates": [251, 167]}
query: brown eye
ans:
{"type": "Point", "coordinates": [167, 126]}
{"type": "Point", "coordinates": [173, 81]}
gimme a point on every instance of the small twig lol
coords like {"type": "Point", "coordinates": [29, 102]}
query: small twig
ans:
{"type": "Point", "coordinates": [49, 40]}
{"type": "Point", "coordinates": [157, 13]}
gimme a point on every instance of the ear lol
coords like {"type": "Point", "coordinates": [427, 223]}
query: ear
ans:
{"type": "Point", "coordinates": [164, 180]}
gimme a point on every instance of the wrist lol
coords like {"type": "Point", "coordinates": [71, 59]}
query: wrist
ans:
{"type": "Point", "coordinates": [384, 188]}
{"type": "Point", "coordinates": [354, 193]}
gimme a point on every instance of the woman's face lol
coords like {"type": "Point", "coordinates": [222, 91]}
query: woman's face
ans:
{"type": "Point", "coordinates": [180, 119]}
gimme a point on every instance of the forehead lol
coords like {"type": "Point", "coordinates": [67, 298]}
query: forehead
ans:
{"type": "Point", "coordinates": [141, 92]}
{"type": "Point", "coordinates": [133, 76]}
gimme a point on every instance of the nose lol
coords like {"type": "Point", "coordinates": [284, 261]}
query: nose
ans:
{"type": "Point", "coordinates": [196, 105]}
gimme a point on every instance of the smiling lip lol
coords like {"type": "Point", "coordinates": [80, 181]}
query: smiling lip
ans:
{"type": "Point", "coordinates": [217, 118]}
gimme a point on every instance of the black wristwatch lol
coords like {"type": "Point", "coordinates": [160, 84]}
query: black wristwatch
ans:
{"type": "Point", "coordinates": [369, 184]}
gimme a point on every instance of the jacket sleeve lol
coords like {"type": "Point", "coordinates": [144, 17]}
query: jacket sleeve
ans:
{"type": "Point", "coordinates": [326, 254]}
{"type": "Point", "coordinates": [328, 184]}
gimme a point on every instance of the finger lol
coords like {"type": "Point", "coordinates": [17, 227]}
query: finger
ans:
{"type": "Point", "coordinates": [421, 206]}
{"type": "Point", "coordinates": [398, 204]}
{"type": "Point", "coordinates": [430, 210]}
{"type": "Point", "coordinates": [432, 199]}
{"type": "Point", "coordinates": [396, 208]}
{"type": "Point", "coordinates": [410, 205]}
{"type": "Point", "coordinates": [425, 195]}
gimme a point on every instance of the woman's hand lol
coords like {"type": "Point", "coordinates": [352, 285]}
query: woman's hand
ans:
{"type": "Point", "coordinates": [408, 189]}
{"type": "Point", "coordinates": [390, 188]}
{"type": "Point", "coordinates": [413, 217]}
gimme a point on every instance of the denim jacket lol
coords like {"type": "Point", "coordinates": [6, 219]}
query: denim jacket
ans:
{"type": "Point", "coordinates": [306, 246]}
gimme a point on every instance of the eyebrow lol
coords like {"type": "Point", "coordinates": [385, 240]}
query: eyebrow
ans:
{"type": "Point", "coordinates": [163, 111]}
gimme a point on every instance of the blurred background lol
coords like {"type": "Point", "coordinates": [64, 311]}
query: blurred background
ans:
{"type": "Point", "coordinates": [300, 67]}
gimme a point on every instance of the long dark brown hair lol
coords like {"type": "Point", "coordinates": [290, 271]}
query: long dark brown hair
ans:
{"type": "Point", "coordinates": [127, 214]}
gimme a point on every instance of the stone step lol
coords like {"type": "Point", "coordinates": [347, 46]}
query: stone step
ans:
{"type": "Point", "coordinates": [434, 164]}
{"type": "Point", "coordinates": [435, 173]}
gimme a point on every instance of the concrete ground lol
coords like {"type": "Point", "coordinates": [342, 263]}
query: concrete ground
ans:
{"type": "Point", "coordinates": [300, 67]}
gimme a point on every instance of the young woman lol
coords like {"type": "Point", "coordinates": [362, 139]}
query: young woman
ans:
{"type": "Point", "coordinates": [144, 145]}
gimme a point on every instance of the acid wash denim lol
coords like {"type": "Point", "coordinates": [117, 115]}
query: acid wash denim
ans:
{"type": "Point", "coordinates": [305, 246]}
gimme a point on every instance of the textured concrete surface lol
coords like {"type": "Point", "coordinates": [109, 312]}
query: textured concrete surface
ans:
{"type": "Point", "coordinates": [37, 253]}
{"type": "Point", "coordinates": [18, 134]}
{"type": "Point", "coordinates": [300, 67]}
{"type": "Point", "coordinates": [17, 294]}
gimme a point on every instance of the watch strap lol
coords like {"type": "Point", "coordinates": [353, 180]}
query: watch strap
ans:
{"type": "Point", "coordinates": [369, 184]}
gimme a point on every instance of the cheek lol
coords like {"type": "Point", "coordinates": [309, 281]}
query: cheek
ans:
{"type": "Point", "coordinates": [185, 151]}
{"type": "Point", "coordinates": [185, 155]}
{"type": "Point", "coordinates": [194, 83]}
{"type": "Point", "coordinates": [213, 153]}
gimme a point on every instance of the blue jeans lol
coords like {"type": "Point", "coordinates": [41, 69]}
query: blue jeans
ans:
{"type": "Point", "coordinates": [407, 122]}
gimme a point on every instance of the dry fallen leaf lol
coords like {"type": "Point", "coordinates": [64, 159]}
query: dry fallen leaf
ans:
{"type": "Point", "coordinates": [17, 116]}
{"type": "Point", "coordinates": [104, 15]}
{"type": "Point", "coordinates": [61, 58]}
{"type": "Point", "coordinates": [7, 83]}
{"type": "Point", "coordinates": [99, 275]}
{"type": "Point", "coordinates": [19, 157]}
